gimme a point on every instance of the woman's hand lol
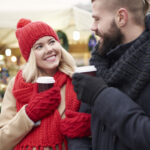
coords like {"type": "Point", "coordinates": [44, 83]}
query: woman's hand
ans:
{"type": "Point", "coordinates": [76, 124]}
{"type": "Point", "coordinates": [43, 104]}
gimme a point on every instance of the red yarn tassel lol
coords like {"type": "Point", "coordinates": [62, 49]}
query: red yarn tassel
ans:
{"type": "Point", "coordinates": [54, 148]}
{"type": "Point", "coordinates": [66, 144]}
{"type": "Point", "coordinates": [24, 148]}
{"type": "Point", "coordinates": [37, 148]}
{"type": "Point", "coordinates": [41, 148]}
{"type": "Point", "coordinates": [29, 148]}
{"type": "Point", "coordinates": [60, 147]}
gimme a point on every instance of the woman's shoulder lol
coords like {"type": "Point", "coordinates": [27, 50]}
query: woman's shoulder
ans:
{"type": "Point", "coordinates": [11, 81]}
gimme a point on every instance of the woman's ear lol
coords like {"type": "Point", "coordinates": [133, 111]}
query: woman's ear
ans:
{"type": "Point", "coordinates": [121, 17]}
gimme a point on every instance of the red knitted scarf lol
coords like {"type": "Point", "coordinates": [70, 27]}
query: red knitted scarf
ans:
{"type": "Point", "coordinates": [48, 133]}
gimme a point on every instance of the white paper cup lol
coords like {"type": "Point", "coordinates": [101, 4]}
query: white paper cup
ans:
{"type": "Point", "coordinates": [91, 70]}
{"type": "Point", "coordinates": [45, 83]}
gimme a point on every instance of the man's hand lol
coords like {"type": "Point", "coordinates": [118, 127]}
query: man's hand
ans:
{"type": "Point", "coordinates": [87, 87]}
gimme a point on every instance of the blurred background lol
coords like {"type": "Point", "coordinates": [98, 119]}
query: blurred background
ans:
{"type": "Point", "coordinates": [71, 19]}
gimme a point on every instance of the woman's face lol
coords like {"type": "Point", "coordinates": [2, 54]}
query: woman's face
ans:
{"type": "Point", "coordinates": [48, 54]}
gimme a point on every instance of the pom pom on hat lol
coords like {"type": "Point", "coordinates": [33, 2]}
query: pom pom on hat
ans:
{"type": "Point", "coordinates": [29, 32]}
{"type": "Point", "coordinates": [22, 22]}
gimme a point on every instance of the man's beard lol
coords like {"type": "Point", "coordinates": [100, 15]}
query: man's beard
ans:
{"type": "Point", "coordinates": [110, 39]}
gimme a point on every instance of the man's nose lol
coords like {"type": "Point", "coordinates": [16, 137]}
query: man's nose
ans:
{"type": "Point", "coordinates": [94, 27]}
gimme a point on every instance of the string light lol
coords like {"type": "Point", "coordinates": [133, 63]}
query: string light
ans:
{"type": "Point", "coordinates": [13, 59]}
{"type": "Point", "coordinates": [8, 52]}
{"type": "Point", "coordinates": [1, 57]}
{"type": "Point", "coordinates": [76, 35]}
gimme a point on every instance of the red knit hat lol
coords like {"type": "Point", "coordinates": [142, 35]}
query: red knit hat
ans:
{"type": "Point", "coordinates": [29, 32]}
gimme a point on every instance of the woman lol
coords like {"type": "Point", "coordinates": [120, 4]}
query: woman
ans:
{"type": "Point", "coordinates": [33, 121]}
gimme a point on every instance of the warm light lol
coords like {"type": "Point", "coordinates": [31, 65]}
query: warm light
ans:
{"type": "Point", "coordinates": [13, 59]}
{"type": "Point", "coordinates": [8, 52]}
{"type": "Point", "coordinates": [76, 35]}
{"type": "Point", "coordinates": [1, 57]}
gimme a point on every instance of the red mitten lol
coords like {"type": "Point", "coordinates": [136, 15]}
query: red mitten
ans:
{"type": "Point", "coordinates": [76, 124]}
{"type": "Point", "coordinates": [43, 104]}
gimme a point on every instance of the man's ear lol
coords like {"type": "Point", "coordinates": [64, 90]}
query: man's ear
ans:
{"type": "Point", "coordinates": [121, 17]}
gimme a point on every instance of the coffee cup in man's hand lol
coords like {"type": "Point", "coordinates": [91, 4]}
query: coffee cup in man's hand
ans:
{"type": "Point", "coordinates": [91, 70]}
{"type": "Point", "coordinates": [45, 83]}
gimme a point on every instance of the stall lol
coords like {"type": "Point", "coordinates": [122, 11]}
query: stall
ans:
{"type": "Point", "coordinates": [71, 19]}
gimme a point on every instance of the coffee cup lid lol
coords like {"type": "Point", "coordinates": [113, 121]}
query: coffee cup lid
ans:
{"type": "Point", "coordinates": [45, 79]}
{"type": "Point", "coordinates": [85, 69]}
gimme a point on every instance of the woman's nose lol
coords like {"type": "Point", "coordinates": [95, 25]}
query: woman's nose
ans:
{"type": "Point", "coordinates": [48, 48]}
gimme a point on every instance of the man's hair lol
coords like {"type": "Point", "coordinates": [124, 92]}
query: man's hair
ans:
{"type": "Point", "coordinates": [138, 8]}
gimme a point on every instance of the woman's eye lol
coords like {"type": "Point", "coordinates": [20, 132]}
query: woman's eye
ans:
{"type": "Point", "coordinates": [38, 47]}
{"type": "Point", "coordinates": [96, 19]}
{"type": "Point", "coordinates": [51, 41]}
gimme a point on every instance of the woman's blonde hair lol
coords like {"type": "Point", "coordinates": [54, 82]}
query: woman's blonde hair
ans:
{"type": "Point", "coordinates": [31, 71]}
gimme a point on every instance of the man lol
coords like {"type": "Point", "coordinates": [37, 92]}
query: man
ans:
{"type": "Point", "coordinates": [119, 97]}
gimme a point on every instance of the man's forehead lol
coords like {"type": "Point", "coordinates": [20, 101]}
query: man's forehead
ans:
{"type": "Point", "coordinates": [98, 4]}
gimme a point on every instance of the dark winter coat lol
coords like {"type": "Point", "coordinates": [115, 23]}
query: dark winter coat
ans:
{"type": "Point", "coordinates": [121, 113]}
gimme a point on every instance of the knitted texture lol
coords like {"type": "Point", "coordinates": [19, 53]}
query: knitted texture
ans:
{"type": "Point", "coordinates": [87, 87]}
{"type": "Point", "coordinates": [76, 124]}
{"type": "Point", "coordinates": [43, 104]}
{"type": "Point", "coordinates": [127, 66]}
{"type": "Point", "coordinates": [29, 32]}
{"type": "Point", "coordinates": [48, 133]}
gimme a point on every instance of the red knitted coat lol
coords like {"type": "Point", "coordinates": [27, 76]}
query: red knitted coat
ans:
{"type": "Point", "coordinates": [48, 134]}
